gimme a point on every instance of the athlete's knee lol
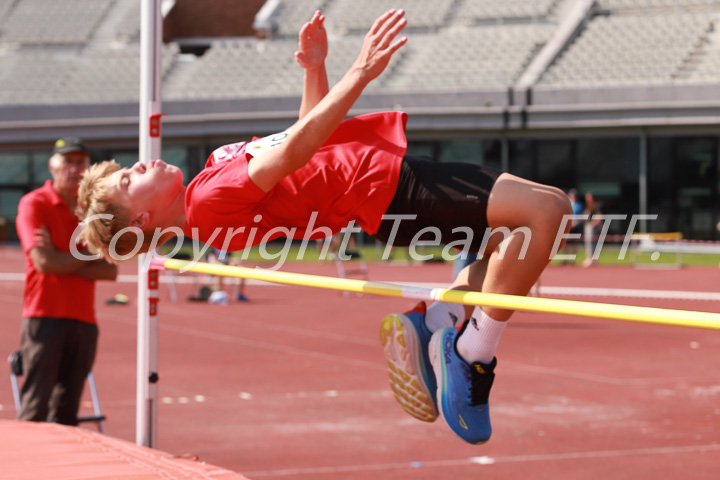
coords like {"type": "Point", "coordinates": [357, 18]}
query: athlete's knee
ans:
{"type": "Point", "coordinates": [550, 214]}
{"type": "Point", "coordinates": [557, 206]}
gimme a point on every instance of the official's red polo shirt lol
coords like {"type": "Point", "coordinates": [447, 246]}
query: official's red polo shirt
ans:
{"type": "Point", "coordinates": [47, 295]}
{"type": "Point", "coordinates": [352, 177]}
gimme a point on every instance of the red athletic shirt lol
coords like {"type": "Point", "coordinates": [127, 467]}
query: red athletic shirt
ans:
{"type": "Point", "coordinates": [48, 295]}
{"type": "Point", "coordinates": [352, 177]}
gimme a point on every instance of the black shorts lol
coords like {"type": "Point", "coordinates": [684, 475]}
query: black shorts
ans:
{"type": "Point", "coordinates": [441, 195]}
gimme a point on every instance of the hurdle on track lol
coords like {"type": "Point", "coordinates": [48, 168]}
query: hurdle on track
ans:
{"type": "Point", "coordinates": [683, 318]}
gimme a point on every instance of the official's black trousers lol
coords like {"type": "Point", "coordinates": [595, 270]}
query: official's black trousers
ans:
{"type": "Point", "coordinates": [57, 355]}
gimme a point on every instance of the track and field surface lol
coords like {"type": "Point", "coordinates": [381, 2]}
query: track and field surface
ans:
{"type": "Point", "coordinates": [292, 385]}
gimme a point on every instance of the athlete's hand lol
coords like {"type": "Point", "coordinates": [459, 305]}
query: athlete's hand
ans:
{"type": "Point", "coordinates": [312, 43]}
{"type": "Point", "coordinates": [380, 44]}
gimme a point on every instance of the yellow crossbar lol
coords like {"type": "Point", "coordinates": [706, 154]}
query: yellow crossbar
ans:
{"type": "Point", "coordinates": [662, 316]}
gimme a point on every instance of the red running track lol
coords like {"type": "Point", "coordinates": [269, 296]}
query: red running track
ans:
{"type": "Point", "coordinates": [292, 385]}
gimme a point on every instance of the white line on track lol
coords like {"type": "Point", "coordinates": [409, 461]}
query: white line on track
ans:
{"type": "Point", "coordinates": [365, 395]}
{"type": "Point", "coordinates": [483, 461]}
{"type": "Point", "coordinates": [629, 292]}
{"type": "Point", "coordinates": [183, 400]}
{"type": "Point", "coordinates": [12, 277]}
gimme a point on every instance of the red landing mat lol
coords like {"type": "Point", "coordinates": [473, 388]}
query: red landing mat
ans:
{"type": "Point", "coordinates": [33, 451]}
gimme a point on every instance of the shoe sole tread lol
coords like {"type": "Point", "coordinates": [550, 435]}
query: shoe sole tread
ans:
{"type": "Point", "coordinates": [404, 369]}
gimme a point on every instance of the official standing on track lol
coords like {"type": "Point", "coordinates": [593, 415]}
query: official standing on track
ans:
{"type": "Point", "coordinates": [59, 330]}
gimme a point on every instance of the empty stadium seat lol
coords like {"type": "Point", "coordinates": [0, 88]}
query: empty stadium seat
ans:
{"type": "Point", "coordinates": [492, 10]}
{"type": "Point", "coordinates": [240, 68]}
{"type": "Point", "coordinates": [52, 22]}
{"type": "Point", "coordinates": [630, 49]}
{"type": "Point", "coordinates": [468, 57]}
{"type": "Point", "coordinates": [292, 14]}
{"type": "Point", "coordinates": [354, 16]}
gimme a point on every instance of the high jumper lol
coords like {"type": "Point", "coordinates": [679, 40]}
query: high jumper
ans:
{"type": "Point", "coordinates": [326, 171]}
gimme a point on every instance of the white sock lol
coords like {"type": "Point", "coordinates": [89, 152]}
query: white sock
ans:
{"type": "Point", "coordinates": [441, 315]}
{"type": "Point", "coordinates": [480, 339]}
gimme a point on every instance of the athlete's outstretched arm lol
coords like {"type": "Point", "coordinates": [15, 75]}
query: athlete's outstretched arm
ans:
{"type": "Point", "coordinates": [311, 54]}
{"type": "Point", "coordinates": [313, 130]}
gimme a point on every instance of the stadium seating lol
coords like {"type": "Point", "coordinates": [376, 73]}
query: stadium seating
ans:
{"type": "Point", "coordinates": [86, 51]}
{"type": "Point", "coordinates": [239, 68]}
{"type": "Point", "coordinates": [645, 6]}
{"type": "Point", "coordinates": [704, 66]}
{"type": "Point", "coordinates": [631, 49]}
{"type": "Point", "coordinates": [128, 23]}
{"type": "Point", "coordinates": [471, 11]}
{"type": "Point", "coordinates": [466, 57]}
{"type": "Point", "coordinates": [35, 78]}
{"type": "Point", "coordinates": [292, 14]}
{"type": "Point", "coordinates": [97, 76]}
{"type": "Point", "coordinates": [5, 6]}
{"type": "Point", "coordinates": [52, 22]}
{"type": "Point", "coordinates": [355, 17]}
{"type": "Point", "coordinates": [108, 75]}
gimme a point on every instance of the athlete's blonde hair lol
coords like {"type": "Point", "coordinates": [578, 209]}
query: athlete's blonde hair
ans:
{"type": "Point", "coordinates": [94, 199]}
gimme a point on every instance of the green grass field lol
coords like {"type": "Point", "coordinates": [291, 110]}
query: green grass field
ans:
{"type": "Point", "coordinates": [610, 255]}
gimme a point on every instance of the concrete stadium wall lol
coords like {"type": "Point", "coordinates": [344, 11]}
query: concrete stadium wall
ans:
{"type": "Point", "coordinates": [488, 111]}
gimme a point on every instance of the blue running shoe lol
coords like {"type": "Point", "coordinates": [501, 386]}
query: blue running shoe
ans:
{"type": "Point", "coordinates": [463, 388]}
{"type": "Point", "coordinates": [405, 340]}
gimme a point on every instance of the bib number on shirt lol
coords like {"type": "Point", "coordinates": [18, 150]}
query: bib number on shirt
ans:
{"type": "Point", "coordinates": [262, 145]}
